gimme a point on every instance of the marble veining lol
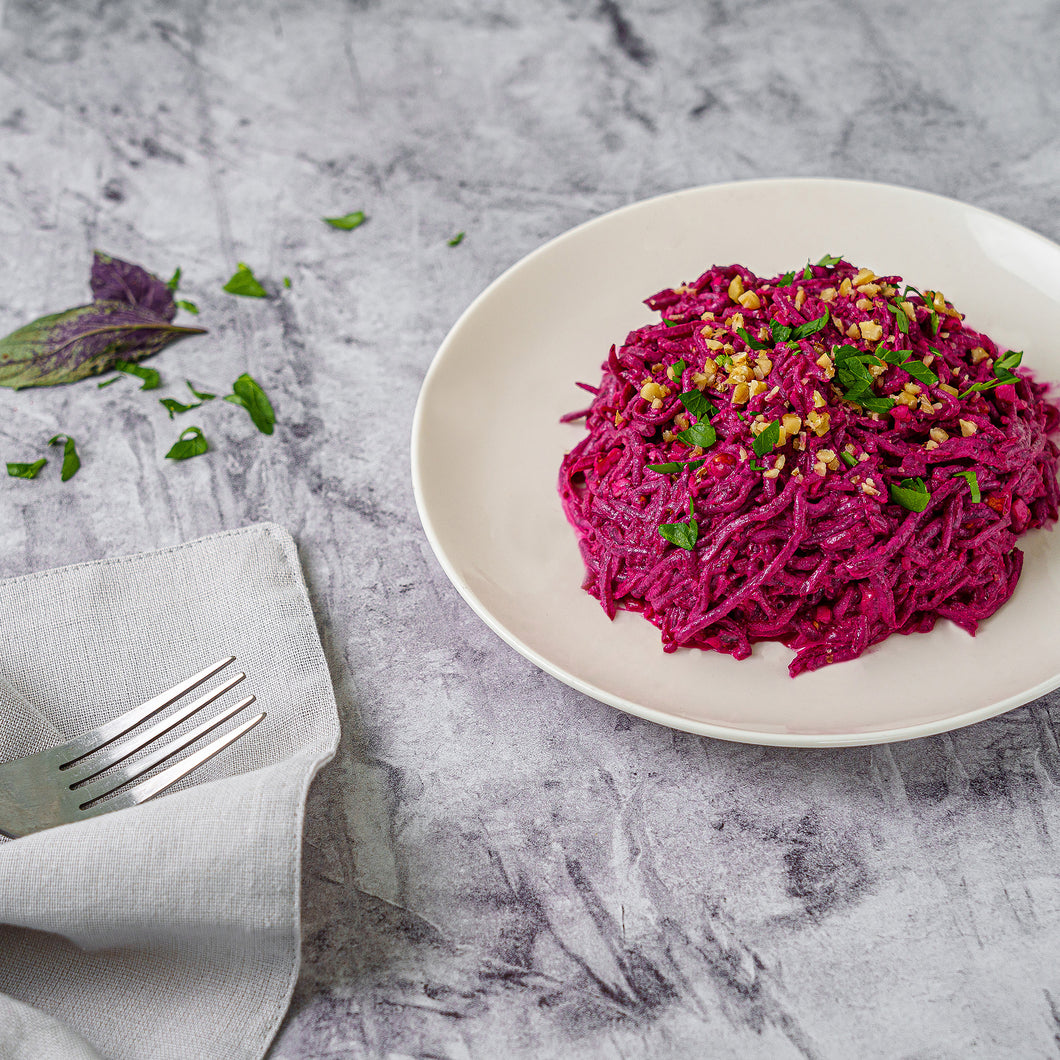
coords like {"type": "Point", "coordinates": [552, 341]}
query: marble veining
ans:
{"type": "Point", "coordinates": [496, 866]}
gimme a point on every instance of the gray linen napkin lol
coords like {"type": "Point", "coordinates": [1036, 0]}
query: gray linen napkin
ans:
{"type": "Point", "coordinates": [171, 929]}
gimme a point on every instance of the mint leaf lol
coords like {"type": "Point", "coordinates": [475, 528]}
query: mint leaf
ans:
{"type": "Point", "coordinates": [911, 494]}
{"type": "Point", "coordinates": [245, 283]}
{"type": "Point", "coordinates": [697, 405]}
{"type": "Point", "coordinates": [26, 470]}
{"type": "Point", "coordinates": [190, 443]}
{"type": "Point", "coordinates": [249, 395]}
{"type": "Point", "coordinates": [71, 461]}
{"type": "Point", "coordinates": [347, 222]}
{"type": "Point", "coordinates": [765, 441]}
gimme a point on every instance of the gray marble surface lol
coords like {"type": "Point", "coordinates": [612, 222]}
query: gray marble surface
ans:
{"type": "Point", "coordinates": [496, 866]}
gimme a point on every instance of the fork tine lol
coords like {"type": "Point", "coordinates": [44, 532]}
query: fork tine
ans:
{"type": "Point", "coordinates": [91, 765]}
{"type": "Point", "coordinates": [103, 786]}
{"type": "Point", "coordinates": [148, 789]}
{"type": "Point", "coordinates": [111, 730]}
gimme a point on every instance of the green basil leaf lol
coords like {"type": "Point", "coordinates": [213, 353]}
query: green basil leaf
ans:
{"type": "Point", "coordinates": [347, 221]}
{"type": "Point", "coordinates": [911, 494]}
{"type": "Point", "coordinates": [456, 240]}
{"type": "Point", "coordinates": [765, 441]}
{"type": "Point", "coordinates": [697, 405]}
{"type": "Point", "coordinates": [245, 283]}
{"type": "Point", "coordinates": [848, 458]}
{"type": "Point", "coordinates": [811, 327]}
{"type": "Point", "coordinates": [190, 443]}
{"type": "Point", "coordinates": [973, 484]}
{"type": "Point", "coordinates": [200, 394]}
{"type": "Point", "coordinates": [174, 281]}
{"type": "Point", "coordinates": [191, 307]}
{"type": "Point", "coordinates": [830, 261]}
{"type": "Point", "coordinates": [701, 434]}
{"type": "Point", "coordinates": [751, 340]}
{"type": "Point", "coordinates": [26, 470]}
{"type": "Point", "coordinates": [250, 396]}
{"type": "Point", "coordinates": [151, 379]}
{"type": "Point", "coordinates": [71, 461]}
{"type": "Point", "coordinates": [172, 406]}
{"type": "Point", "coordinates": [920, 372]}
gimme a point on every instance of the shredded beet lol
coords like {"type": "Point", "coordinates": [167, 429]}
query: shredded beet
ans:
{"type": "Point", "coordinates": [854, 516]}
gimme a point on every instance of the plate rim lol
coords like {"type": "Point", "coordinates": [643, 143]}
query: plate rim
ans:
{"type": "Point", "coordinates": [732, 734]}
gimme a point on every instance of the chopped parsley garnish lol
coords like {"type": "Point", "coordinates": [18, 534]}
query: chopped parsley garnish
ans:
{"type": "Point", "coordinates": [671, 467]}
{"type": "Point", "coordinates": [807, 273]}
{"type": "Point", "coordinates": [919, 371]}
{"type": "Point", "coordinates": [751, 340]}
{"type": "Point", "coordinates": [26, 470]}
{"type": "Point", "coordinates": [757, 467]}
{"type": "Point", "coordinates": [190, 443]}
{"type": "Point", "coordinates": [1002, 373]}
{"type": "Point", "coordinates": [673, 323]}
{"type": "Point", "coordinates": [697, 405]}
{"type": "Point", "coordinates": [723, 359]}
{"type": "Point", "coordinates": [684, 535]}
{"type": "Point", "coordinates": [787, 279]}
{"type": "Point", "coordinates": [347, 221]}
{"type": "Point", "coordinates": [829, 261]}
{"type": "Point", "coordinates": [701, 434]}
{"type": "Point", "coordinates": [810, 327]}
{"type": "Point", "coordinates": [108, 382]}
{"type": "Point", "coordinates": [973, 484]}
{"type": "Point", "coordinates": [848, 458]}
{"type": "Point", "coordinates": [899, 317]}
{"type": "Point", "coordinates": [911, 494]}
{"type": "Point", "coordinates": [71, 461]}
{"type": "Point", "coordinates": [677, 370]}
{"type": "Point", "coordinates": [854, 378]}
{"type": "Point", "coordinates": [765, 441]}
{"type": "Point", "coordinates": [933, 323]}
{"type": "Point", "coordinates": [287, 281]}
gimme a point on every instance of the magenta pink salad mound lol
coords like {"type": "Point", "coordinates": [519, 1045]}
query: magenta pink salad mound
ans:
{"type": "Point", "coordinates": [822, 458]}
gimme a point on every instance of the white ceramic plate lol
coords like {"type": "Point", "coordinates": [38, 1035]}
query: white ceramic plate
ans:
{"type": "Point", "coordinates": [487, 444]}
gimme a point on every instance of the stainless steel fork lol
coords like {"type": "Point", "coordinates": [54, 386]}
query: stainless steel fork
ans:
{"type": "Point", "coordinates": [63, 784]}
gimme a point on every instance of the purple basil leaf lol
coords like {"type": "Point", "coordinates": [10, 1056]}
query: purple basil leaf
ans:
{"type": "Point", "coordinates": [65, 347]}
{"type": "Point", "coordinates": [114, 280]}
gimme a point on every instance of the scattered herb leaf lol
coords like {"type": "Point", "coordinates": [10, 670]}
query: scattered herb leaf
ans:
{"type": "Point", "coordinates": [26, 470]}
{"type": "Point", "coordinates": [786, 280]}
{"type": "Point", "coordinates": [781, 332]}
{"type": "Point", "coordinates": [245, 283]}
{"type": "Point", "coordinates": [757, 467]}
{"type": "Point", "coordinates": [108, 382]}
{"type": "Point", "coordinates": [172, 406]}
{"type": "Point", "coordinates": [765, 441]}
{"type": "Point", "coordinates": [684, 535]}
{"type": "Point", "coordinates": [347, 222]}
{"type": "Point", "coordinates": [71, 461]}
{"type": "Point", "coordinates": [677, 369]}
{"type": "Point", "coordinates": [671, 467]}
{"type": "Point", "coordinates": [701, 434]}
{"type": "Point", "coordinates": [190, 443]}
{"type": "Point", "coordinates": [919, 371]}
{"type": "Point", "coordinates": [698, 405]}
{"type": "Point", "coordinates": [456, 240]}
{"type": "Point", "coordinates": [191, 307]}
{"type": "Point", "coordinates": [174, 281]}
{"type": "Point", "coordinates": [811, 327]}
{"type": "Point", "coordinates": [973, 484]}
{"type": "Point", "coordinates": [250, 396]}
{"type": "Point", "coordinates": [751, 340]}
{"type": "Point", "coordinates": [829, 261]}
{"type": "Point", "coordinates": [848, 458]}
{"type": "Point", "coordinates": [201, 395]}
{"type": "Point", "coordinates": [911, 494]}
{"type": "Point", "coordinates": [152, 380]}
{"type": "Point", "coordinates": [807, 273]}
{"type": "Point", "coordinates": [287, 281]}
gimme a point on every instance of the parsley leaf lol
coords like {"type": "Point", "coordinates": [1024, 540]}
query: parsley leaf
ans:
{"type": "Point", "coordinates": [829, 261]}
{"type": "Point", "coordinates": [245, 283]}
{"type": "Point", "coordinates": [973, 484]}
{"type": "Point", "coordinates": [701, 434]}
{"type": "Point", "coordinates": [456, 240]}
{"type": "Point", "coordinates": [1002, 373]}
{"type": "Point", "coordinates": [751, 340]}
{"type": "Point", "coordinates": [347, 221]}
{"type": "Point", "coordinates": [807, 273]}
{"type": "Point", "coordinates": [671, 467]}
{"type": "Point", "coordinates": [250, 396]}
{"type": "Point", "coordinates": [684, 535]}
{"type": "Point", "coordinates": [765, 442]}
{"type": "Point", "coordinates": [152, 380]}
{"type": "Point", "coordinates": [781, 332]}
{"type": "Point", "coordinates": [71, 461]}
{"type": "Point", "coordinates": [757, 467]}
{"type": "Point", "coordinates": [697, 405]}
{"type": "Point", "coordinates": [786, 280]}
{"type": "Point", "coordinates": [26, 470]}
{"type": "Point", "coordinates": [811, 327]}
{"type": "Point", "coordinates": [190, 443]}
{"type": "Point", "coordinates": [919, 371]}
{"type": "Point", "coordinates": [677, 368]}
{"type": "Point", "coordinates": [911, 494]}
